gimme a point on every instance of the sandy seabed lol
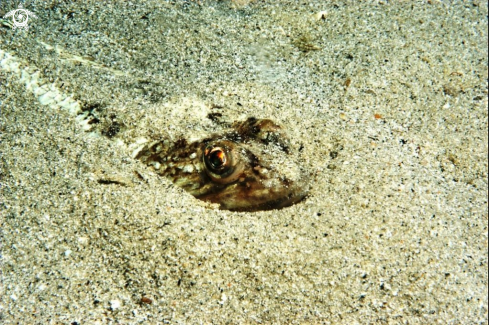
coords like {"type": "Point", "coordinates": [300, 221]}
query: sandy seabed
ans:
{"type": "Point", "coordinates": [388, 101]}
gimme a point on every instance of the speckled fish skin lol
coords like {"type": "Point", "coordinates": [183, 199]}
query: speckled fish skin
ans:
{"type": "Point", "coordinates": [249, 167]}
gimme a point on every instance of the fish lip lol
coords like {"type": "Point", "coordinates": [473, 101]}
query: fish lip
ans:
{"type": "Point", "coordinates": [276, 204]}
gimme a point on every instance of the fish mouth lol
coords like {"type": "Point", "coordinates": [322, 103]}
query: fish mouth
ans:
{"type": "Point", "coordinates": [271, 205]}
{"type": "Point", "coordinates": [237, 204]}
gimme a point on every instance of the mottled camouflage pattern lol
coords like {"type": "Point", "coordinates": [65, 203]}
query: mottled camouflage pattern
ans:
{"type": "Point", "coordinates": [265, 174]}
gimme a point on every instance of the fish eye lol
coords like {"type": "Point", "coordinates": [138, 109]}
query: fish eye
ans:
{"type": "Point", "coordinates": [216, 158]}
{"type": "Point", "coordinates": [222, 161]}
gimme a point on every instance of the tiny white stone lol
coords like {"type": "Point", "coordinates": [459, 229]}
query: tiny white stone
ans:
{"type": "Point", "coordinates": [83, 240]}
{"type": "Point", "coordinates": [68, 252]}
{"type": "Point", "coordinates": [223, 299]}
{"type": "Point", "coordinates": [321, 15]}
{"type": "Point", "coordinates": [192, 155]}
{"type": "Point", "coordinates": [115, 304]}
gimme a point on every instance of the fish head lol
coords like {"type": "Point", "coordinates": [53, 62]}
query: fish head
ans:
{"type": "Point", "coordinates": [249, 167]}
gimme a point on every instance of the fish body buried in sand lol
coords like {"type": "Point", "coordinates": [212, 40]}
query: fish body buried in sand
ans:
{"type": "Point", "coordinates": [249, 167]}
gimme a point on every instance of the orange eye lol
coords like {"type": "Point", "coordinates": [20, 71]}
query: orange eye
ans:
{"type": "Point", "coordinates": [222, 161]}
{"type": "Point", "coordinates": [216, 158]}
